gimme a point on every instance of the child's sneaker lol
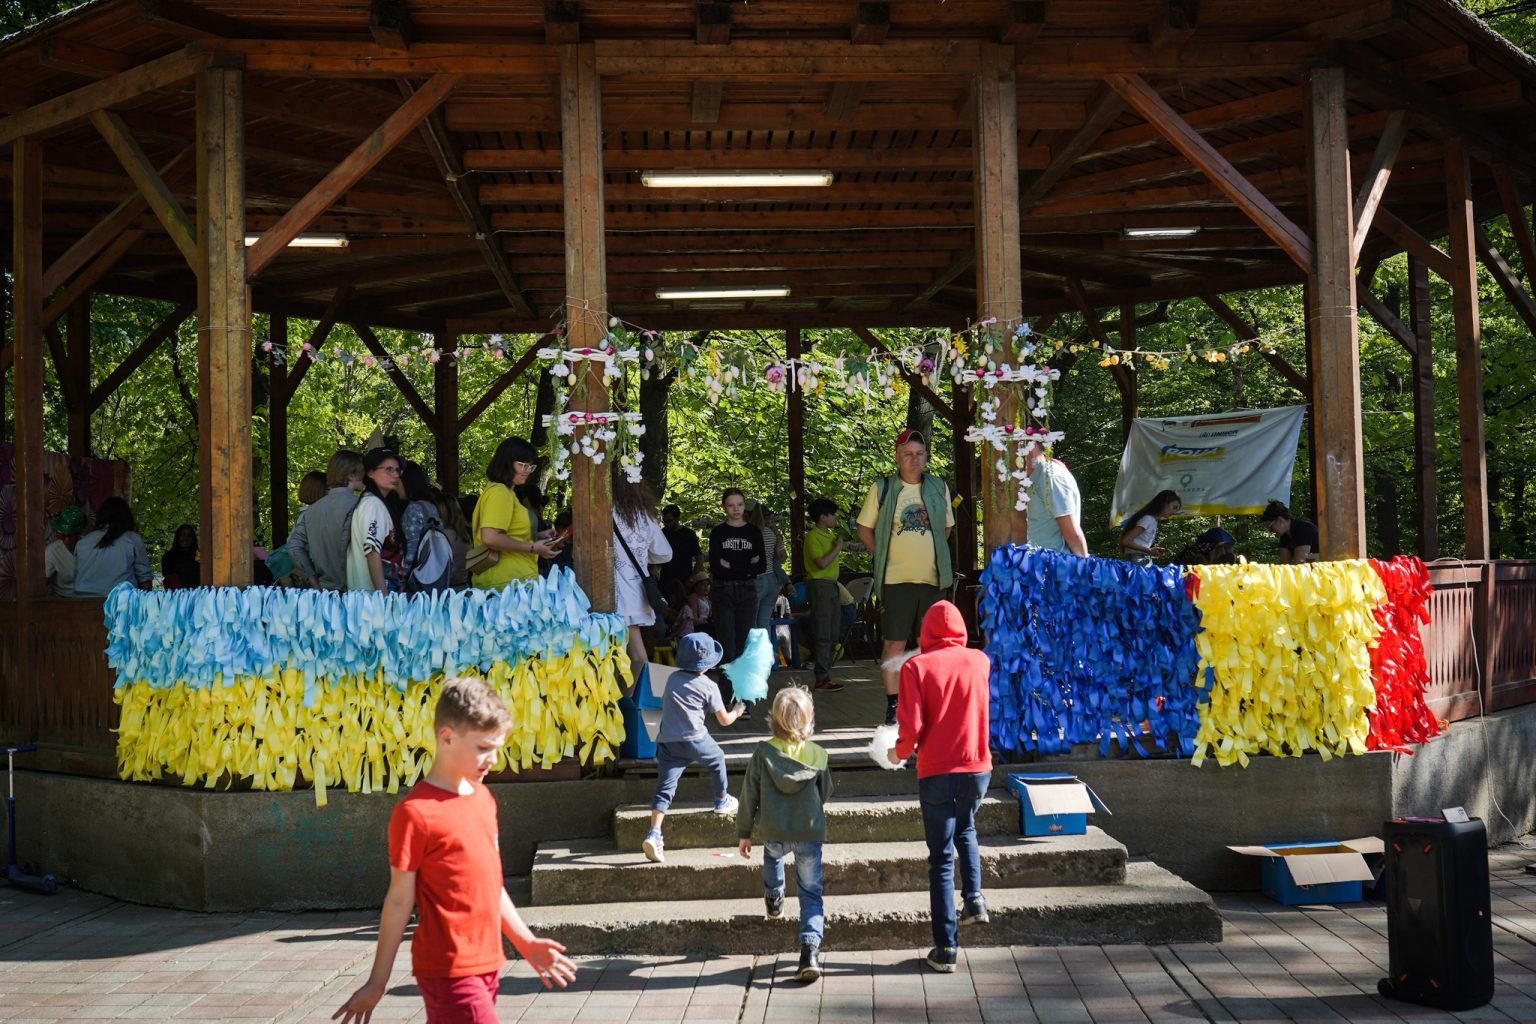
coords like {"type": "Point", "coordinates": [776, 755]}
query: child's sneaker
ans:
{"type": "Point", "coordinates": [726, 805]}
{"type": "Point", "coordinates": [774, 906]}
{"type": "Point", "coordinates": [810, 964]}
{"type": "Point", "coordinates": [942, 959]}
{"type": "Point", "coordinates": [655, 849]}
{"type": "Point", "coordinates": [975, 912]}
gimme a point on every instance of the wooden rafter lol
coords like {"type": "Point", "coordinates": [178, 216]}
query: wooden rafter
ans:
{"type": "Point", "coordinates": [1416, 244]}
{"type": "Point", "coordinates": [1244, 331]}
{"type": "Point", "coordinates": [1514, 210]}
{"type": "Point", "coordinates": [712, 24]}
{"type": "Point", "coordinates": [1280, 228]}
{"type": "Point", "coordinates": [389, 22]}
{"type": "Point", "coordinates": [500, 385]}
{"type": "Point", "coordinates": [167, 328]}
{"type": "Point", "coordinates": [402, 382]}
{"type": "Point", "coordinates": [1103, 111]}
{"type": "Point", "coordinates": [1374, 185]}
{"type": "Point", "coordinates": [334, 309]}
{"type": "Point", "coordinates": [50, 114]}
{"type": "Point", "coordinates": [351, 170]}
{"type": "Point", "coordinates": [1507, 280]}
{"type": "Point", "coordinates": [162, 202]}
{"type": "Point", "coordinates": [93, 272]}
{"type": "Point", "coordinates": [915, 382]}
{"type": "Point", "coordinates": [1175, 22]}
{"type": "Point", "coordinates": [1026, 20]}
{"type": "Point", "coordinates": [871, 24]}
{"type": "Point", "coordinates": [562, 21]}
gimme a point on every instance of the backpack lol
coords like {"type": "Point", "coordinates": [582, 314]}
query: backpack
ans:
{"type": "Point", "coordinates": [432, 562]}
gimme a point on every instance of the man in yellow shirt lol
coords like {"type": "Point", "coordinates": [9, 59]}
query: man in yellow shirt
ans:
{"type": "Point", "coordinates": [911, 566]}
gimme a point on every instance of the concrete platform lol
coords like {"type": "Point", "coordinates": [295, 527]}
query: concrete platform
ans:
{"type": "Point", "coordinates": [594, 872]}
{"type": "Point", "coordinates": [851, 819]}
{"type": "Point", "coordinates": [1151, 907]}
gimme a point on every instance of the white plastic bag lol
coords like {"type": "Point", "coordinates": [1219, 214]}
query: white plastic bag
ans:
{"type": "Point", "coordinates": [880, 745]}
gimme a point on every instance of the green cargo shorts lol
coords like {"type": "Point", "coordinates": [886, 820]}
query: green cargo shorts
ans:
{"type": "Point", "coordinates": [902, 607]}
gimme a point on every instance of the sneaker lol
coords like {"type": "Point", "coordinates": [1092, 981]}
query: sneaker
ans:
{"type": "Point", "coordinates": [655, 849]}
{"type": "Point", "coordinates": [974, 912]}
{"type": "Point", "coordinates": [829, 685]}
{"type": "Point", "coordinates": [726, 805]}
{"type": "Point", "coordinates": [810, 964]}
{"type": "Point", "coordinates": [746, 713]}
{"type": "Point", "coordinates": [773, 907]}
{"type": "Point", "coordinates": [942, 959]}
{"type": "Point", "coordinates": [890, 714]}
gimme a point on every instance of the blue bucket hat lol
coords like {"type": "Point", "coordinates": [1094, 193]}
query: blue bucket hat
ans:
{"type": "Point", "coordinates": [698, 652]}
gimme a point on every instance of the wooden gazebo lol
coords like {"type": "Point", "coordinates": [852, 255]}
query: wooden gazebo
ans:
{"type": "Point", "coordinates": [989, 158]}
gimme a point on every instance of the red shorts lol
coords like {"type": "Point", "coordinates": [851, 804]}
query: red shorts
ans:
{"type": "Point", "coordinates": [470, 1000]}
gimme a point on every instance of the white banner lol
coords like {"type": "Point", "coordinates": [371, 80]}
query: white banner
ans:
{"type": "Point", "coordinates": [1232, 464]}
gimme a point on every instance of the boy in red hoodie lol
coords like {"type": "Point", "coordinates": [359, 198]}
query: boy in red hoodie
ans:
{"type": "Point", "coordinates": [942, 713]}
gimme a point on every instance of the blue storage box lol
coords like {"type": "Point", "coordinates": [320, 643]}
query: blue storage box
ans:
{"type": "Point", "coordinates": [1053, 803]}
{"type": "Point", "coordinates": [1298, 873]}
{"type": "Point", "coordinates": [653, 685]}
{"type": "Point", "coordinates": [639, 741]}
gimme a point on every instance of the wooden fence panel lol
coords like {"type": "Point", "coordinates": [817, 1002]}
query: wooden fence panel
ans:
{"type": "Point", "coordinates": [55, 686]}
{"type": "Point", "coordinates": [1514, 635]}
{"type": "Point", "coordinates": [1450, 645]}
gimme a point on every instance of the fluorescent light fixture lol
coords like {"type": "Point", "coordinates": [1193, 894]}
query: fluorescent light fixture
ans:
{"type": "Point", "coordinates": [721, 293]}
{"type": "Point", "coordinates": [1159, 232]}
{"type": "Point", "coordinates": [736, 179]}
{"type": "Point", "coordinates": [309, 241]}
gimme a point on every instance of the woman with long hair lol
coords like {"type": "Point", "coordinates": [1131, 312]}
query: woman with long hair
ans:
{"type": "Point", "coordinates": [372, 527]}
{"type": "Point", "coordinates": [503, 523]}
{"type": "Point", "coordinates": [113, 553]}
{"type": "Point", "coordinates": [179, 565]}
{"type": "Point", "coordinates": [637, 527]}
{"type": "Point", "coordinates": [1138, 538]}
{"type": "Point", "coordinates": [768, 582]}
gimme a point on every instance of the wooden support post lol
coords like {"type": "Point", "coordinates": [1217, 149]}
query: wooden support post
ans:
{"type": "Point", "coordinates": [1461, 226]}
{"type": "Point", "coordinates": [795, 399]}
{"type": "Point", "coordinates": [223, 331]}
{"type": "Point", "coordinates": [1125, 375]}
{"type": "Point", "coordinates": [1419, 320]}
{"type": "Point", "coordinates": [999, 288]}
{"type": "Point", "coordinates": [445, 387]}
{"type": "Point", "coordinates": [27, 346]}
{"type": "Point", "coordinates": [586, 311]}
{"type": "Point", "coordinates": [78, 366]}
{"type": "Point", "coordinates": [1338, 461]}
{"type": "Point", "coordinates": [279, 394]}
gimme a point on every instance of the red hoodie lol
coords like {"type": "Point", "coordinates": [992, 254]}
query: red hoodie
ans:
{"type": "Point", "coordinates": [942, 709]}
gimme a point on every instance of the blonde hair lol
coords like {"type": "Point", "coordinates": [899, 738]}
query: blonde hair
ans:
{"type": "Point", "coordinates": [467, 703]}
{"type": "Point", "coordinates": [793, 716]}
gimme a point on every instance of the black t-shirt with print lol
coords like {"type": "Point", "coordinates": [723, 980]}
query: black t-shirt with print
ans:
{"type": "Point", "coordinates": [738, 545]}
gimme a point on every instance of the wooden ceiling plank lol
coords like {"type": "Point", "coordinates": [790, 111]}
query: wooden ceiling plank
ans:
{"type": "Point", "coordinates": [843, 99]}
{"type": "Point", "coordinates": [712, 24]}
{"type": "Point", "coordinates": [1175, 22]}
{"type": "Point", "coordinates": [1105, 109]}
{"type": "Point", "coordinates": [834, 194]}
{"type": "Point", "coordinates": [61, 110]}
{"type": "Point", "coordinates": [1285, 233]}
{"type": "Point", "coordinates": [188, 18]}
{"type": "Point", "coordinates": [349, 172]}
{"type": "Point", "coordinates": [1025, 22]}
{"type": "Point", "coordinates": [1093, 59]}
{"type": "Point", "coordinates": [83, 58]}
{"type": "Point", "coordinates": [389, 22]}
{"type": "Point", "coordinates": [900, 59]}
{"type": "Point", "coordinates": [1361, 23]}
{"type": "Point", "coordinates": [706, 100]}
{"type": "Point", "coordinates": [316, 279]}
{"type": "Point", "coordinates": [843, 159]}
{"type": "Point", "coordinates": [871, 24]}
{"type": "Point", "coordinates": [1374, 185]}
{"type": "Point", "coordinates": [147, 180]}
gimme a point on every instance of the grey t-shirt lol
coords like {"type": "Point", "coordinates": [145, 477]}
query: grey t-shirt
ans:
{"type": "Point", "coordinates": [688, 699]}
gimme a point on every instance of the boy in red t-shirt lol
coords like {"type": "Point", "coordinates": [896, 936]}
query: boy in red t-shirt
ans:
{"type": "Point", "coordinates": [445, 864]}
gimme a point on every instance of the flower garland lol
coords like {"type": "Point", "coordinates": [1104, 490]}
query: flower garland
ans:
{"type": "Point", "coordinates": [1087, 650]}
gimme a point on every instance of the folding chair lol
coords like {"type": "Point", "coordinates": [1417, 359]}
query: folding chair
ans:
{"type": "Point", "coordinates": [857, 629]}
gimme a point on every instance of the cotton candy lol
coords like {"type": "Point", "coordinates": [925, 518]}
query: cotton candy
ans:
{"type": "Point", "coordinates": [749, 673]}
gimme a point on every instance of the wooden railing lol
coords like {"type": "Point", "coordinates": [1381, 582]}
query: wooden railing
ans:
{"type": "Point", "coordinates": [55, 687]}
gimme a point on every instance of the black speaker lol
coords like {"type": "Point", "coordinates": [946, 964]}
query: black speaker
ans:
{"type": "Point", "coordinates": [1439, 924]}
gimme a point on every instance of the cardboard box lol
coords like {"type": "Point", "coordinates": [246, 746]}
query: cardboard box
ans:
{"type": "Point", "coordinates": [1053, 803]}
{"type": "Point", "coordinates": [653, 685]}
{"type": "Point", "coordinates": [1332, 872]}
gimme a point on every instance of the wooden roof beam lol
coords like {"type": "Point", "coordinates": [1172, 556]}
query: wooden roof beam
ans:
{"type": "Point", "coordinates": [93, 272]}
{"type": "Point", "coordinates": [147, 180]}
{"type": "Point", "coordinates": [1285, 233]}
{"type": "Point", "coordinates": [1361, 23]}
{"type": "Point", "coordinates": [402, 382]}
{"type": "Point", "coordinates": [1245, 331]}
{"type": "Point", "coordinates": [315, 279]}
{"type": "Point", "coordinates": [1514, 210]}
{"type": "Point", "coordinates": [349, 172]}
{"type": "Point", "coordinates": [389, 22]}
{"type": "Point", "coordinates": [871, 24]}
{"type": "Point", "coordinates": [109, 92]}
{"type": "Point", "coordinates": [705, 103]}
{"type": "Point", "coordinates": [843, 99]}
{"type": "Point", "coordinates": [562, 21]}
{"type": "Point", "coordinates": [1276, 103]}
{"type": "Point", "coordinates": [187, 18]}
{"type": "Point", "coordinates": [1507, 280]}
{"type": "Point", "coordinates": [1025, 22]}
{"type": "Point", "coordinates": [1174, 23]}
{"type": "Point", "coordinates": [142, 351]}
{"type": "Point", "coordinates": [1374, 185]}
{"type": "Point", "coordinates": [712, 24]}
{"type": "Point", "coordinates": [83, 58]}
{"type": "Point", "coordinates": [500, 384]}
{"type": "Point", "coordinates": [1103, 111]}
{"type": "Point", "coordinates": [870, 160]}
{"type": "Point", "coordinates": [1389, 321]}
{"type": "Point", "coordinates": [831, 195]}
{"type": "Point", "coordinates": [1067, 60]}
{"type": "Point", "coordinates": [1416, 245]}
{"type": "Point", "coordinates": [781, 58]}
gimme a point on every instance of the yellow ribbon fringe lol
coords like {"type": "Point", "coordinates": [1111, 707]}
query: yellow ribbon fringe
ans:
{"type": "Point", "coordinates": [361, 733]}
{"type": "Point", "coordinates": [1290, 646]}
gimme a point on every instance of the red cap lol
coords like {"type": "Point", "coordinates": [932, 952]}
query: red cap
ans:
{"type": "Point", "coordinates": [909, 435]}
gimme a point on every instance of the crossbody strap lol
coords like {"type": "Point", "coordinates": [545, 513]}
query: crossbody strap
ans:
{"type": "Point", "coordinates": [625, 545]}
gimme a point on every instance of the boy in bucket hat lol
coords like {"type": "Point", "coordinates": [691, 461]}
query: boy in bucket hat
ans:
{"type": "Point", "coordinates": [684, 739]}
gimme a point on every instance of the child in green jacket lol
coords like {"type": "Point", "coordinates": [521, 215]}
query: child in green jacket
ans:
{"type": "Point", "coordinates": [785, 792]}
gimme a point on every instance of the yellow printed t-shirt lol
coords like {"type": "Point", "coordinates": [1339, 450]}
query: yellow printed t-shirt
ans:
{"type": "Point", "coordinates": [499, 509]}
{"type": "Point", "coordinates": [818, 544]}
{"type": "Point", "coordinates": [911, 556]}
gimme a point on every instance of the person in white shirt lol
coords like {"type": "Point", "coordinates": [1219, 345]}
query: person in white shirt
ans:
{"type": "Point", "coordinates": [1055, 506]}
{"type": "Point", "coordinates": [635, 526]}
{"type": "Point", "coordinates": [1138, 538]}
{"type": "Point", "coordinates": [371, 523]}
{"type": "Point", "coordinates": [59, 558]}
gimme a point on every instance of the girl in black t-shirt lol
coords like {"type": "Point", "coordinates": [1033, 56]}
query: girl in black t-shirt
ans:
{"type": "Point", "coordinates": [735, 559]}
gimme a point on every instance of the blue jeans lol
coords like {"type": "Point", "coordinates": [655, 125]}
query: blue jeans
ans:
{"type": "Point", "coordinates": [767, 594]}
{"type": "Point", "coordinates": [949, 825]}
{"type": "Point", "coordinates": [672, 759]}
{"type": "Point", "coordinates": [807, 879]}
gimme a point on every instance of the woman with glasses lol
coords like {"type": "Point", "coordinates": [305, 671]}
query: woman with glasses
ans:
{"type": "Point", "coordinates": [503, 523]}
{"type": "Point", "coordinates": [372, 527]}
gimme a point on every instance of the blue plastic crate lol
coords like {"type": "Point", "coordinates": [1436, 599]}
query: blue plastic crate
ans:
{"type": "Point", "coordinates": [637, 744]}
{"type": "Point", "coordinates": [1077, 800]}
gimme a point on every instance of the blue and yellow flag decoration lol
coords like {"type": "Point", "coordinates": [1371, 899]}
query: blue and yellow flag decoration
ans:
{"type": "Point", "coordinates": [274, 685]}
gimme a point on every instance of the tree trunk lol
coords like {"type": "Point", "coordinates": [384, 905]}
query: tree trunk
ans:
{"type": "Point", "coordinates": [655, 392]}
{"type": "Point", "coordinates": [920, 414]}
{"type": "Point", "coordinates": [1388, 534]}
{"type": "Point", "coordinates": [543, 405]}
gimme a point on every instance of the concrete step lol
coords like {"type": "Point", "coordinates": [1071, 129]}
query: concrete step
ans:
{"type": "Point", "coordinates": [1153, 907]}
{"type": "Point", "coordinates": [858, 819]}
{"type": "Point", "coordinates": [592, 871]}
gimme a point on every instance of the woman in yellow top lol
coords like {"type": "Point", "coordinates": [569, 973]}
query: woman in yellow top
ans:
{"type": "Point", "coordinates": [503, 523]}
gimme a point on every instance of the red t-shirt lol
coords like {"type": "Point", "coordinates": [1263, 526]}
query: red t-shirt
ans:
{"type": "Point", "coordinates": [449, 841]}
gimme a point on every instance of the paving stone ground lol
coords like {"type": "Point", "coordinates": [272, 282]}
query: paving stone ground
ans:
{"type": "Point", "coordinates": [78, 957]}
